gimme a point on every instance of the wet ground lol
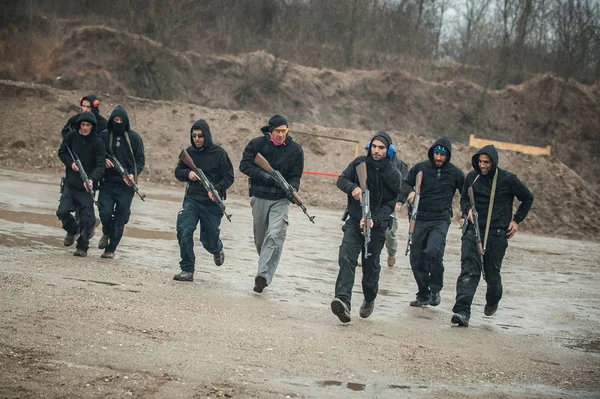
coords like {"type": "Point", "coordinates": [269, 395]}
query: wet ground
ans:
{"type": "Point", "coordinates": [94, 327]}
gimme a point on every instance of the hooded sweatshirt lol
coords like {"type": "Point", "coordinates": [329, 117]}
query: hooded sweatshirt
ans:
{"type": "Point", "coordinates": [212, 160]}
{"type": "Point", "coordinates": [508, 186]}
{"type": "Point", "coordinates": [287, 158]}
{"type": "Point", "coordinates": [115, 143]}
{"type": "Point", "coordinates": [100, 120]}
{"type": "Point", "coordinates": [89, 149]}
{"type": "Point", "coordinates": [438, 185]}
{"type": "Point", "coordinates": [383, 182]}
{"type": "Point", "coordinates": [403, 169]}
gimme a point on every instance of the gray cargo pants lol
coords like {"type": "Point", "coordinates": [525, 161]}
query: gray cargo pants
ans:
{"type": "Point", "coordinates": [391, 239]}
{"type": "Point", "coordinates": [270, 227]}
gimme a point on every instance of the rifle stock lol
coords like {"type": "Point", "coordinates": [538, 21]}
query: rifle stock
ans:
{"type": "Point", "coordinates": [415, 210]}
{"type": "Point", "coordinates": [125, 175]}
{"type": "Point", "coordinates": [262, 162]}
{"type": "Point", "coordinates": [361, 172]}
{"type": "Point", "coordinates": [208, 186]}
{"type": "Point", "coordinates": [480, 249]}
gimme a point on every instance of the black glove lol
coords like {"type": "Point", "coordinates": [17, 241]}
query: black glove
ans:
{"type": "Point", "coordinates": [267, 179]}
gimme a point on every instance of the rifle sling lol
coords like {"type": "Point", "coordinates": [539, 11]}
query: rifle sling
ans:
{"type": "Point", "coordinates": [490, 207]}
{"type": "Point", "coordinates": [110, 140]}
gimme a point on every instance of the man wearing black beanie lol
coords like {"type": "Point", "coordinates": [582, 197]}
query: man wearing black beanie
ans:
{"type": "Point", "coordinates": [270, 204]}
{"type": "Point", "coordinates": [383, 181]}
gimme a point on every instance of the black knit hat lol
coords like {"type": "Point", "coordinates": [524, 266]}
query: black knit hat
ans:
{"type": "Point", "coordinates": [384, 138]}
{"type": "Point", "coordinates": [274, 122]}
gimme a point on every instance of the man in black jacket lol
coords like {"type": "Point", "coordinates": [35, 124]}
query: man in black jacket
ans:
{"type": "Point", "coordinates": [496, 229]}
{"type": "Point", "coordinates": [76, 195]}
{"type": "Point", "coordinates": [198, 204]}
{"type": "Point", "coordinates": [116, 193]}
{"type": "Point", "coordinates": [391, 240]}
{"type": "Point", "coordinates": [91, 104]}
{"type": "Point", "coordinates": [269, 202]}
{"type": "Point", "coordinates": [441, 179]}
{"type": "Point", "coordinates": [383, 181]}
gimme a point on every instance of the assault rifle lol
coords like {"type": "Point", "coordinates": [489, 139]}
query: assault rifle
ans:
{"type": "Point", "coordinates": [82, 173]}
{"type": "Point", "coordinates": [361, 172]}
{"type": "Point", "coordinates": [125, 175]}
{"type": "Point", "coordinates": [208, 186]}
{"type": "Point", "coordinates": [289, 190]}
{"type": "Point", "coordinates": [415, 210]}
{"type": "Point", "coordinates": [476, 227]}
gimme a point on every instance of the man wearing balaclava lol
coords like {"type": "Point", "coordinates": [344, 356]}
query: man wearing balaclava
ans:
{"type": "Point", "coordinates": [89, 103]}
{"type": "Point", "coordinates": [441, 179]}
{"type": "Point", "coordinates": [270, 204]}
{"type": "Point", "coordinates": [77, 195]}
{"type": "Point", "coordinates": [200, 205]}
{"type": "Point", "coordinates": [383, 183]}
{"type": "Point", "coordinates": [494, 190]}
{"type": "Point", "coordinates": [116, 192]}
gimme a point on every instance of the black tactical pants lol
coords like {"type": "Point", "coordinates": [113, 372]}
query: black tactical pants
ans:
{"type": "Point", "coordinates": [427, 256]}
{"type": "Point", "coordinates": [352, 245]}
{"type": "Point", "coordinates": [470, 272]}
{"type": "Point", "coordinates": [114, 206]}
{"type": "Point", "coordinates": [82, 203]}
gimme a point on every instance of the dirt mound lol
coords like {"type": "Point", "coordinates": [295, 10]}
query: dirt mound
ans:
{"type": "Point", "coordinates": [543, 111]}
{"type": "Point", "coordinates": [31, 117]}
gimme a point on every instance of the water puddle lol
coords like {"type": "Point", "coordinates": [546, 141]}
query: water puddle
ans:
{"type": "Point", "coordinates": [50, 220]}
{"type": "Point", "coordinates": [358, 387]}
{"type": "Point", "coordinates": [92, 281]}
{"type": "Point", "coordinates": [8, 240]}
{"type": "Point", "coordinates": [354, 386]}
{"type": "Point", "coordinates": [590, 346]}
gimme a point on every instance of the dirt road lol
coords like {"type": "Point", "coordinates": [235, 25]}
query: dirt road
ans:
{"type": "Point", "coordinates": [91, 327]}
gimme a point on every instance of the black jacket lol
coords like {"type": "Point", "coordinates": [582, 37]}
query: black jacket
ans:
{"type": "Point", "coordinates": [288, 159]}
{"type": "Point", "coordinates": [403, 169]}
{"type": "Point", "coordinates": [508, 186]}
{"type": "Point", "coordinates": [90, 151]}
{"type": "Point", "coordinates": [214, 162]}
{"type": "Point", "coordinates": [438, 186]}
{"type": "Point", "coordinates": [383, 181]}
{"type": "Point", "coordinates": [116, 145]}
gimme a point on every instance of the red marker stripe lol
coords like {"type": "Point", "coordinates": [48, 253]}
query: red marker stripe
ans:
{"type": "Point", "coordinates": [307, 172]}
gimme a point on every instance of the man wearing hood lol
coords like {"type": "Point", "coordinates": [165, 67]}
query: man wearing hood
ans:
{"type": "Point", "coordinates": [91, 104]}
{"type": "Point", "coordinates": [76, 197]}
{"type": "Point", "coordinates": [270, 204]}
{"type": "Point", "coordinates": [441, 180]}
{"type": "Point", "coordinates": [116, 193]}
{"type": "Point", "coordinates": [494, 189]}
{"type": "Point", "coordinates": [383, 181]}
{"type": "Point", "coordinates": [198, 204]}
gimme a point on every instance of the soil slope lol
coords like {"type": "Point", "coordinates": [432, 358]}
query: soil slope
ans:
{"type": "Point", "coordinates": [438, 100]}
{"type": "Point", "coordinates": [32, 115]}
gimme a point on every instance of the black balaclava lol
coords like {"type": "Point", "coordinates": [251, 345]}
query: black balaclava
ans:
{"type": "Point", "coordinates": [118, 128]}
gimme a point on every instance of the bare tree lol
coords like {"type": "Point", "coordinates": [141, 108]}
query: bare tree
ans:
{"type": "Point", "coordinates": [474, 14]}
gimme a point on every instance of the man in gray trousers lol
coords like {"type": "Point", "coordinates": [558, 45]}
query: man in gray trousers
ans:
{"type": "Point", "coordinates": [270, 204]}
